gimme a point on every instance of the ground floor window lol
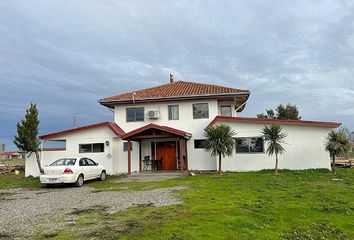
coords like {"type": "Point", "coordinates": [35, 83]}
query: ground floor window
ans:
{"type": "Point", "coordinates": [91, 148]}
{"type": "Point", "coordinates": [249, 145]}
{"type": "Point", "coordinates": [125, 147]}
{"type": "Point", "coordinates": [198, 143]}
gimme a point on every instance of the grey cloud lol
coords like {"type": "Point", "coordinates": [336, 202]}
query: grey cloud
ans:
{"type": "Point", "coordinates": [65, 55]}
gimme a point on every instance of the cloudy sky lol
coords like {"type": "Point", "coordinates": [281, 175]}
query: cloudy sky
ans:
{"type": "Point", "coordinates": [65, 55]}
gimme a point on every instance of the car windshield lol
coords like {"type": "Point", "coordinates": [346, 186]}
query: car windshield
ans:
{"type": "Point", "coordinates": [64, 162]}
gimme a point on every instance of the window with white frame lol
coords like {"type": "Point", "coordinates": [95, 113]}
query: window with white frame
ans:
{"type": "Point", "coordinates": [91, 148]}
{"type": "Point", "coordinates": [226, 111]}
{"type": "Point", "coordinates": [249, 145]}
{"type": "Point", "coordinates": [135, 114]}
{"type": "Point", "coordinates": [199, 143]}
{"type": "Point", "coordinates": [125, 147]}
{"type": "Point", "coordinates": [200, 110]}
{"type": "Point", "coordinates": [173, 112]}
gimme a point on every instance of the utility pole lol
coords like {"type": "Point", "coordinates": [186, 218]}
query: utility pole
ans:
{"type": "Point", "coordinates": [74, 120]}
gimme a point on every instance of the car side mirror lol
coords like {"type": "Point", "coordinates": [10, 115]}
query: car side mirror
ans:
{"type": "Point", "coordinates": [96, 163]}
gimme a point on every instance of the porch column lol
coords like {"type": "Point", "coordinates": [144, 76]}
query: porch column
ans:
{"type": "Point", "coordinates": [140, 164]}
{"type": "Point", "coordinates": [181, 161]}
{"type": "Point", "coordinates": [185, 144]}
{"type": "Point", "coordinates": [41, 155]}
{"type": "Point", "coordinates": [129, 157]}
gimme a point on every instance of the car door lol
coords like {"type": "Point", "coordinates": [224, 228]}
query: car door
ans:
{"type": "Point", "coordinates": [84, 168]}
{"type": "Point", "coordinates": [95, 170]}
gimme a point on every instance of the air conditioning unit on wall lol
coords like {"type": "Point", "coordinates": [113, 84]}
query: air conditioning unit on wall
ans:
{"type": "Point", "coordinates": [153, 114]}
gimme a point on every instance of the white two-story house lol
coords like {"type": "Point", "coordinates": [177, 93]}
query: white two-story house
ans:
{"type": "Point", "coordinates": [162, 128]}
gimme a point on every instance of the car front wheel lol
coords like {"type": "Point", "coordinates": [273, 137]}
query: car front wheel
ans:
{"type": "Point", "coordinates": [103, 176]}
{"type": "Point", "coordinates": [80, 181]}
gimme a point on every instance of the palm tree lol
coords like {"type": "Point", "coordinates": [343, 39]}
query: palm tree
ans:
{"type": "Point", "coordinates": [219, 141]}
{"type": "Point", "coordinates": [337, 143]}
{"type": "Point", "coordinates": [274, 136]}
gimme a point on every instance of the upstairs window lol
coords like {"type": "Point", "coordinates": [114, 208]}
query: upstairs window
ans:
{"type": "Point", "coordinates": [226, 111]}
{"type": "Point", "coordinates": [173, 112]}
{"type": "Point", "coordinates": [91, 148]}
{"type": "Point", "coordinates": [135, 114]}
{"type": "Point", "coordinates": [200, 110]}
{"type": "Point", "coordinates": [250, 145]}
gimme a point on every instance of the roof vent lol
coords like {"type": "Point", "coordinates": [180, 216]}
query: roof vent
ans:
{"type": "Point", "coordinates": [171, 78]}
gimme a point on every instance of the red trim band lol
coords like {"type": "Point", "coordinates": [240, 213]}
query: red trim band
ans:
{"type": "Point", "coordinates": [274, 121]}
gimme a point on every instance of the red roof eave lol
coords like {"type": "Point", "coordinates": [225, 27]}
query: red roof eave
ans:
{"type": "Point", "coordinates": [274, 121]}
{"type": "Point", "coordinates": [114, 127]}
{"type": "Point", "coordinates": [159, 127]}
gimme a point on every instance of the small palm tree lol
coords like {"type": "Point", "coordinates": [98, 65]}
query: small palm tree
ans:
{"type": "Point", "coordinates": [337, 143]}
{"type": "Point", "coordinates": [274, 136]}
{"type": "Point", "coordinates": [219, 141]}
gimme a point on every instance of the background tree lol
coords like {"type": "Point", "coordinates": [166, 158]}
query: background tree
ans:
{"type": "Point", "coordinates": [219, 141]}
{"type": "Point", "coordinates": [289, 112]}
{"type": "Point", "coordinates": [269, 114]}
{"type": "Point", "coordinates": [27, 140]}
{"type": "Point", "coordinates": [351, 139]}
{"type": "Point", "coordinates": [337, 143]}
{"type": "Point", "coordinates": [274, 136]}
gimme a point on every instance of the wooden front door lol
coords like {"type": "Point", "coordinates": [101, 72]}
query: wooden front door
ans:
{"type": "Point", "coordinates": [167, 151]}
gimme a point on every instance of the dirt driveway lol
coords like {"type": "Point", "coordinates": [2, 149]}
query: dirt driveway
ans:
{"type": "Point", "coordinates": [23, 211]}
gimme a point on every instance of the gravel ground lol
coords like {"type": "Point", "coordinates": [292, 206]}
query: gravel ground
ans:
{"type": "Point", "coordinates": [22, 208]}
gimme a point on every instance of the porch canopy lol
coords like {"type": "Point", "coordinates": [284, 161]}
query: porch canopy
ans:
{"type": "Point", "coordinates": [154, 131]}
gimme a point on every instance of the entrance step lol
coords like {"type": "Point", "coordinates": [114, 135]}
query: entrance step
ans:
{"type": "Point", "coordinates": [150, 176]}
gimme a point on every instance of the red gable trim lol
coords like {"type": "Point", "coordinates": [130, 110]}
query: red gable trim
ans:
{"type": "Point", "coordinates": [155, 126]}
{"type": "Point", "coordinates": [274, 121]}
{"type": "Point", "coordinates": [114, 127]}
{"type": "Point", "coordinates": [10, 153]}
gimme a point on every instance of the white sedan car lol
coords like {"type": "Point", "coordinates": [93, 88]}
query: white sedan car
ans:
{"type": "Point", "coordinates": [72, 170]}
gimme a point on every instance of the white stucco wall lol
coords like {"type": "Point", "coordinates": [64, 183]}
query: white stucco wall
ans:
{"type": "Point", "coordinates": [185, 123]}
{"type": "Point", "coordinates": [305, 149]}
{"type": "Point", "coordinates": [96, 135]}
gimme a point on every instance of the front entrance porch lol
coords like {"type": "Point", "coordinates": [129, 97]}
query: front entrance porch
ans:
{"type": "Point", "coordinates": [161, 148]}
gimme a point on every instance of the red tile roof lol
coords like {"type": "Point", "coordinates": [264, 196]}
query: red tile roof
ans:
{"type": "Point", "coordinates": [274, 121]}
{"type": "Point", "coordinates": [114, 127]}
{"type": "Point", "coordinates": [177, 89]}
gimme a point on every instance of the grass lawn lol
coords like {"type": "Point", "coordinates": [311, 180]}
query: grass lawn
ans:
{"type": "Point", "coordinates": [10, 180]}
{"type": "Point", "coordinates": [253, 205]}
